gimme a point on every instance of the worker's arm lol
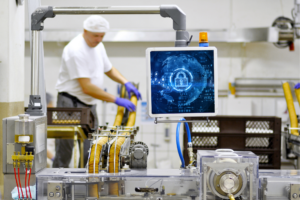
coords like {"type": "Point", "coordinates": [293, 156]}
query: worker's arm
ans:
{"type": "Point", "coordinates": [115, 75]}
{"type": "Point", "coordinates": [94, 91]}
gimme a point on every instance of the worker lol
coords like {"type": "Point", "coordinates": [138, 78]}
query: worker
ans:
{"type": "Point", "coordinates": [80, 80]}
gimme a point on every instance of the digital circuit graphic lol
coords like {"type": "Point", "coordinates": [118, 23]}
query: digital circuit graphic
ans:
{"type": "Point", "coordinates": [182, 82]}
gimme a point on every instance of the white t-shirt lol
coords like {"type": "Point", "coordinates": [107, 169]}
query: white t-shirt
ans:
{"type": "Point", "coordinates": [81, 61]}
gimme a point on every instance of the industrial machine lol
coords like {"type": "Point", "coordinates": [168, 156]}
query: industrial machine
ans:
{"type": "Point", "coordinates": [117, 164]}
{"type": "Point", "coordinates": [24, 150]}
{"type": "Point", "coordinates": [228, 174]}
{"type": "Point", "coordinates": [220, 174]}
{"type": "Point", "coordinates": [58, 184]}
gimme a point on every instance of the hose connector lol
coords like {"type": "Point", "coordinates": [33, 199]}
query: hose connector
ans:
{"type": "Point", "coordinates": [231, 197]}
{"type": "Point", "coordinates": [190, 153]}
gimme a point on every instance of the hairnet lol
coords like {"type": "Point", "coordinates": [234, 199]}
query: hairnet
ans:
{"type": "Point", "coordinates": [96, 23]}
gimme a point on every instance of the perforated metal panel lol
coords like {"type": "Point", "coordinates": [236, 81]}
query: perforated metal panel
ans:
{"type": "Point", "coordinates": [261, 135]}
{"type": "Point", "coordinates": [62, 117]}
{"type": "Point", "coordinates": [204, 141]}
{"type": "Point", "coordinates": [263, 127]}
{"type": "Point", "coordinates": [72, 116]}
{"type": "Point", "coordinates": [258, 142]}
{"type": "Point", "coordinates": [264, 159]}
{"type": "Point", "coordinates": [205, 127]}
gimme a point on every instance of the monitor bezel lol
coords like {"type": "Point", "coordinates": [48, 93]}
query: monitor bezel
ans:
{"type": "Point", "coordinates": [149, 104]}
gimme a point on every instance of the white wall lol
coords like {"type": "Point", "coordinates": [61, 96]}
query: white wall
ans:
{"type": "Point", "coordinates": [12, 47]}
{"type": "Point", "coordinates": [235, 59]}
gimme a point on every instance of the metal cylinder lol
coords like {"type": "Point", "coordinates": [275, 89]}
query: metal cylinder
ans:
{"type": "Point", "coordinates": [35, 63]}
{"type": "Point", "coordinates": [23, 129]}
{"type": "Point", "coordinates": [107, 10]}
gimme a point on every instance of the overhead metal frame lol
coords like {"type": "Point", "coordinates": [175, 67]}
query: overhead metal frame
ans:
{"type": "Point", "coordinates": [37, 24]}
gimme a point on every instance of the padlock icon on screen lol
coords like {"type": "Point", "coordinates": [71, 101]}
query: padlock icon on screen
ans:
{"type": "Point", "coordinates": [181, 80]}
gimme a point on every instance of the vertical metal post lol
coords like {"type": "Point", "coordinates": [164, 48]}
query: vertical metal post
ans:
{"type": "Point", "coordinates": [35, 63]}
{"type": "Point", "coordinates": [75, 149]}
{"type": "Point", "coordinates": [298, 162]}
{"type": "Point", "coordinates": [73, 191]}
{"type": "Point", "coordinates": [81, 153]}
{"type": "Point", "coordinates": [204, 181]}
{"type": "Point", "coordinates": [251, 181]}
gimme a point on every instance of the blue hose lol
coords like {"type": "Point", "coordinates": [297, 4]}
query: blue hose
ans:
{"type": "Point", "coordinates": [178, 141]}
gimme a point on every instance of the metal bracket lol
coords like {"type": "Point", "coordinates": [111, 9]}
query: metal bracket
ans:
{"type": "Point", "coordinates": [39, 15]}
{"type": "Point", "coordinates": [35, 106]}
{"type": "Point", "coordinates": [176, 14]}
{"type": "Point", "coordinates": [54, 190]}
{"type": "Point", "coordinates": [179, 23]}
{"type": "Point", "coordinates": [156, 121]}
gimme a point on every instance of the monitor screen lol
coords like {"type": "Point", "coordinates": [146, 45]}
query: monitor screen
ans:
{"type": "Point", "coordinates": [182, 81]}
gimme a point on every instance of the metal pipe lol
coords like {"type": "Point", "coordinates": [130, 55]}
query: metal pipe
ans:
{"type": "Point", "coordinates": [178, 121]}
{"type": "Point", "coordinates": [35, 63]}
{"type": "Point", "coordinates": [73, 191]}
{"type": "Point", "coordinates": [107, 10]}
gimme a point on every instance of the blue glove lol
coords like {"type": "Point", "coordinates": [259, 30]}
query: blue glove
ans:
{"type": "Point", "coordinates": [297, 86]}
{"type": "Point", "coordinates": [130, 88]}
{"type": "Point", "coordinates": [125, 103]}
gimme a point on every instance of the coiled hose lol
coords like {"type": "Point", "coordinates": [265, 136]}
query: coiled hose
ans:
{"type": "Point", "coordinates": [297, 91]}
{"type": "Point", "coordinates": [291, 107]}
{"type": "Point", "coordinates": [97, 147]}
{"type": "Point", "coordinates": [178, 140]}
{"type": "Point", "coordinates": [115, 150]}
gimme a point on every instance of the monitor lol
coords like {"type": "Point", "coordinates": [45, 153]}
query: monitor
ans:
{"type": "Point", "coordinates": [182, 81]}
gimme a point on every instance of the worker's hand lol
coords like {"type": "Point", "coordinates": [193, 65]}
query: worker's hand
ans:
{"type": "Point", "coordinates": [130, 88]}
{"type": "Point", "coordinates": [297, 86]}
{"type": "Point", "coordinates": [125, 103]}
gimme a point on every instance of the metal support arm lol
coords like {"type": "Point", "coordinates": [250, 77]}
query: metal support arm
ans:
{"type": "Point", "coordinates": [39, 15]}
{"type": "Point", "coordinates": [171, 11]}
{"type": "Point", "coordinates": [176, 14]}
{"type": "Point", "coordinates": [179, 23]}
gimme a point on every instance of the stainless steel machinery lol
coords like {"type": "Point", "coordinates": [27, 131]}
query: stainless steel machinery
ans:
{"type": "Point", "coordinates": [228, 174]}
{"type": "Point", "coordinates": [157, 184]}
{"type": "Point", "coordinates": [24, 150]}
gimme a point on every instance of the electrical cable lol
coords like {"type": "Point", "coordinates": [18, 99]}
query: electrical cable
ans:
{"type": "Point", "coordinates": [20, 183]}
{"type": "Point", "coordinates": [297, 92]}
{"type": "Point", "coordinates": [17, 182]}
{"type": "Point", "coordinates": [29, 183]}
{"type": "Point", "coordinates": [231, 197]}
{"type": "Point", "coordinates": [178, 145]}
{"type": "Point", "coordinates": [113, 187]}
{"type": "Point", "coordinates": [95, 151]}
{"type": "Point", "coordinates": [178, 140]}
{"type": "Point", "coordinates": [25, 183]}
{"type": "Point", "coordinates": [187, 130]}
{"type": "Point", "coordinates": [291, 107]}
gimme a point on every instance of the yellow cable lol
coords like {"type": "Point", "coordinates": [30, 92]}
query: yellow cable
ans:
{"type": "Point", "coordinates": [297, 91]}
{"type": "Point", "coordinates": [93, 189]}
{"type": "Point", "coordinates": [231, 197]}
{"type": "Point", "coordinates": [114, 168]}
{"type": "Point", "coordinates": [120, 111]}
{"type": "Point", "coordinates": [291, 107]}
